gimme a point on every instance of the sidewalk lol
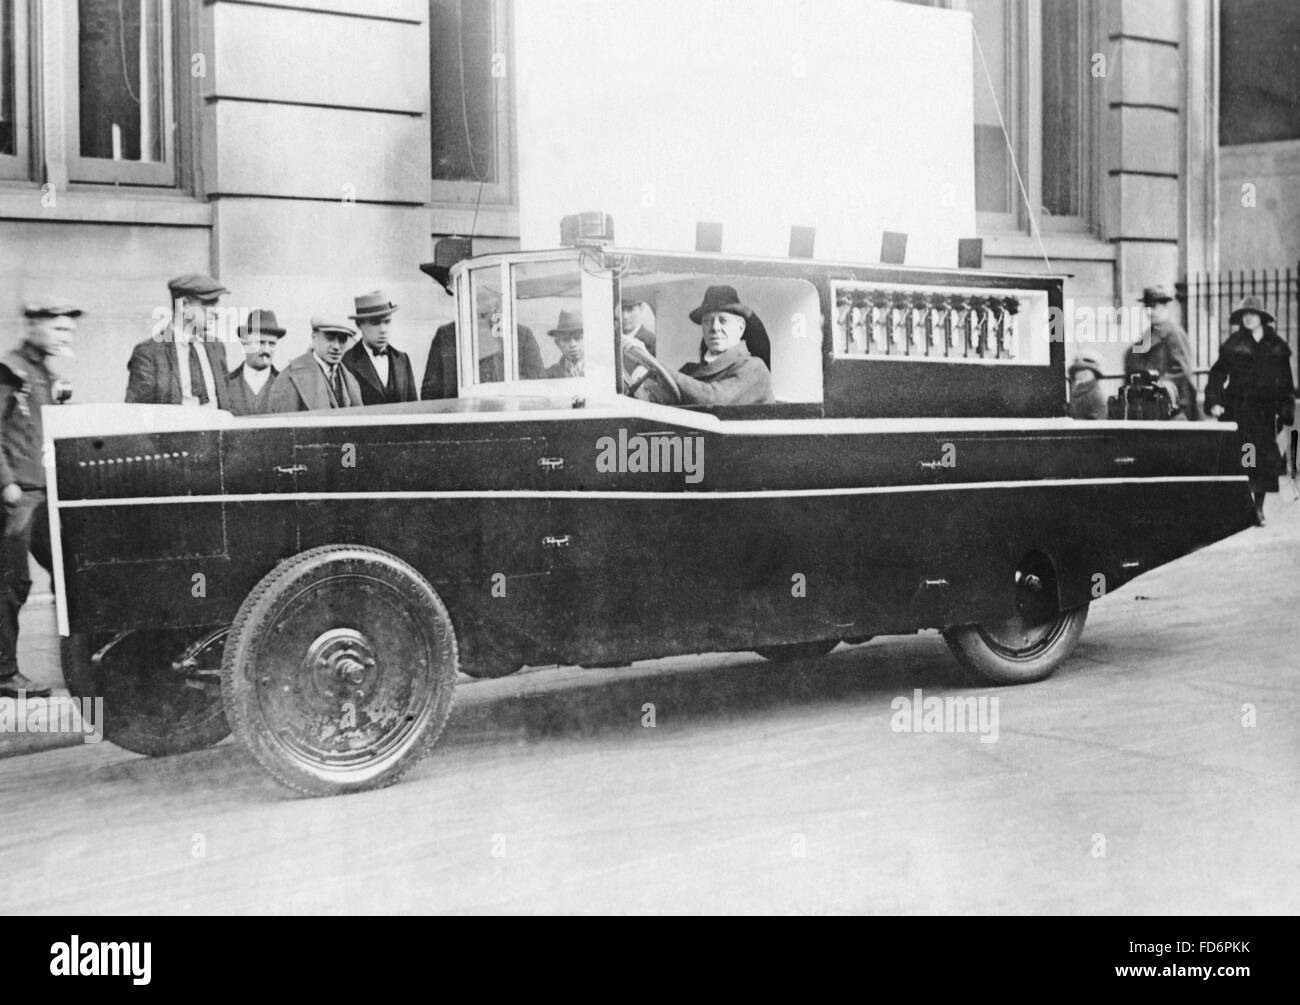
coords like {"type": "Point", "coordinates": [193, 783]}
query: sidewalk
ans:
{"type": "Point", "coordinates": [38, 655]}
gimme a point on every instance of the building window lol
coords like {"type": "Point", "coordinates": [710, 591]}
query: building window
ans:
{"type": "Point", "coordinates": [14, 97]}
{"type": "Point", "coordinates": [121, 126]}
{"type": "Point", "coordinates": [470, 101]}
{"type": "Point", "coordinates": [995, 184]}
{"type": "Point", "coordinates": [1063, 108]}
{"type": "Point", "coordinates": [1034, 52]}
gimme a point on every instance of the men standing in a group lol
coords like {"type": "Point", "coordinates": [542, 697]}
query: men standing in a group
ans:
{"type": "Point", "coordinates": [383, 371]}
{"type": "Point", "coordinates": [317, 379]}
{"type": "Point", "coordinates": [249, 389]}
{"type": "Point", "coordinates": [183, 365]}
{"type": "Point", "coordinates": [26, 386]}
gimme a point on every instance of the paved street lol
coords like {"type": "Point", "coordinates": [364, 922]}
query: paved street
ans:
{"type": "Point", "coordinates": [1127, 783]}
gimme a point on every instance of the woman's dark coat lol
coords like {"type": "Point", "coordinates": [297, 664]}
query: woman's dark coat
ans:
{"type": "Point", "coordinates": [1252, 381]}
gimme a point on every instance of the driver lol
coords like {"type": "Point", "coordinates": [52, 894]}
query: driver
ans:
{"type": "Point", "coordinates": [727, 374]}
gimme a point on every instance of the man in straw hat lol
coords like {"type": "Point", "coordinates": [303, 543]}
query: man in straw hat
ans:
{"type": "Point", "coordinates": [383, 371]}
{"type": "Point", "coordinates": [1168, 351]}
{"type": "Point", "coordinates": [727, 374]}
{"type": "Point", "coordinates": [1251, 384]}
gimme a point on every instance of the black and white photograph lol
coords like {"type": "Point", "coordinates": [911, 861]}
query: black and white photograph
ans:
{"type": "Point", "coordinates": [651, 457]}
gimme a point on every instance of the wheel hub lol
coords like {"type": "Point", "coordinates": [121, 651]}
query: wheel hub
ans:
{"type": "Point", "coordinates": [341, 664]}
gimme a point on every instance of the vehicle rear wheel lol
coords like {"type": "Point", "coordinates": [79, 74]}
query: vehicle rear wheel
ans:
{"type": "Point", "coordinates": [793, 651]}
{"type": "Point", "coordinates": [160, 687]}
{"type": "Point", "coordinates": [339, 670]}
{"type": "Point", "coordinates": [1028, 646]}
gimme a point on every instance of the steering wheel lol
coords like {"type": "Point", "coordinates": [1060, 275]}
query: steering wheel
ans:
{"type": "Point", "coordinates": [653, 368]}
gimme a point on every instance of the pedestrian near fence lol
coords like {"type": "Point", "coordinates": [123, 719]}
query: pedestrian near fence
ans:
{"type": "Point", "coordinates": [1251, 384]}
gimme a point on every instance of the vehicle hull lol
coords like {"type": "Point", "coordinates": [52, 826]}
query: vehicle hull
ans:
{"type": "Point", "coordinates": [548, 542]}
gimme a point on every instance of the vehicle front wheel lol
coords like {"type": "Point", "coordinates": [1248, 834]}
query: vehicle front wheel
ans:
{"type": "Point", "coordinates": [160, 688]}
{"type": "Point", "coordinates": [339, 671]}
{"type": "Point", "coordinates": [1020, 650]}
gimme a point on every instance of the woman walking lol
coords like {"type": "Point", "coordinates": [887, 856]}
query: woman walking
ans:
{"type": "Point", "coordinates": [1251, 385]}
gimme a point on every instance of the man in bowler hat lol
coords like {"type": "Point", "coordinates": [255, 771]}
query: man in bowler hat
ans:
{"type": "Point", "coordinates": [383, 371]}
{"type": "Point", "coordinates": [317, 379]}
{"type": "Point", "coordinates": [249, 388]}
{"type": "Point", "coordinates": [568, 339]}
{"type": "Point", "coordinates": [1168, 352]}
{"type": "Point", "coordinates": [183, 363]}
{"type": "Point", "coordinates": [27, 386]}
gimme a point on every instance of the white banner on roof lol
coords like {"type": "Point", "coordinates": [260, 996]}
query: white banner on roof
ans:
{"type": "Point", "coordinates": [852, 116]}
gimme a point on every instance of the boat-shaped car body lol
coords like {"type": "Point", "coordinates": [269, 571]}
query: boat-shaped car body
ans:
{"type": "Point", "coordinates": [316, 580]}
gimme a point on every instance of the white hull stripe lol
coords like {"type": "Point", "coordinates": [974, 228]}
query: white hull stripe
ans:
{"type": "Point", "coordinates": [682, 496]}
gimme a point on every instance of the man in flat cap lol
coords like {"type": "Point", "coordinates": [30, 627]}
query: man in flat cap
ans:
{"type": "Point", "coordinates": [248, 391]}
{"type": "Point", "coordinates": [1168, 351]}
{"type": "Point", "coordinates": [317, 379]}
{"type": "Point", "coordinates": [183, 363]}
{"type": "Point", "coordinates": [727, 374]}
{"type": "Point", "coordinates": [633, 327]}
{"type": "Point", "coordinates": [384, 372]}
{"type": "Point", "coordinates": [568, 339]}
{"type": "Point", "coordinates": [27, 386]}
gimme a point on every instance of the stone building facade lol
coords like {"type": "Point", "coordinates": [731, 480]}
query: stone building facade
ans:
{"type": "Point", "coordinates": [309, 150]}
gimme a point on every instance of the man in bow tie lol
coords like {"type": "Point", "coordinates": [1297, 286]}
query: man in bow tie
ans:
{"type": "Point", "coordinates": [384, 373]}
{"type": "Point", "coordinates": [317, 379]}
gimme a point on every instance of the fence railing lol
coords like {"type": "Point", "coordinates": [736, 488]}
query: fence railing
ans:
{"type": "Point", "coordinates": [1209, 298]}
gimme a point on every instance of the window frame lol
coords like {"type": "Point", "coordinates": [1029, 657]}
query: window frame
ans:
{"type": "Point", "coordinates": [18, 165]}
{"type": "Point", "coordinates": [1016, 86]}
{"type": "Point", "coordinates": [1025, 124]}
{"type": "Point", "coordinates": [502, 193]}
{"type": "Point", "coordinates": [101, 170]}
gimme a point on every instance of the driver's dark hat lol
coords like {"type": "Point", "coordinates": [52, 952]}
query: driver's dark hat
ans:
{"type": "Point", "coordinates": [720, 300]}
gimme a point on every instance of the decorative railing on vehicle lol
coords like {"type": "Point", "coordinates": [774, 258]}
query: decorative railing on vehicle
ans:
{"type": "Point", "coordinates": [882, 321]}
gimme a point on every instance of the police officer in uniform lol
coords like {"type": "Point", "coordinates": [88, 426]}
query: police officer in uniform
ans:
{"type": "Point", "coordinates": [26, 386]}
